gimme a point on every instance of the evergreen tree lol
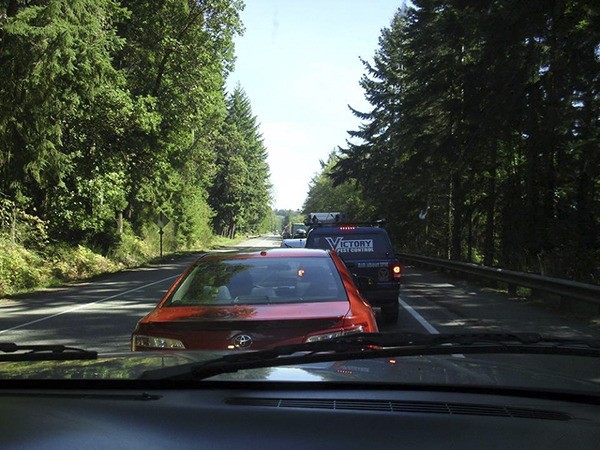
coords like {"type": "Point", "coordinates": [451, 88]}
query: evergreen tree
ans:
{"type": "Point", "coordinates": [345, 197]}
{"type": "Point", "coordinates": [55, 58]}
{"type": "Point", "coordinates": [242, 177]}
{"type": "Point", "coordinates": [482, 139]}
{"type": "Point", "coordinates": [111, 111]}
{"type": "Point", "coordinates": [176, 56]}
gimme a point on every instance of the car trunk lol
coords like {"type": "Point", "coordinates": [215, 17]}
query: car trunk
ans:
{"type": "Point", "coordinates": [216, 328]}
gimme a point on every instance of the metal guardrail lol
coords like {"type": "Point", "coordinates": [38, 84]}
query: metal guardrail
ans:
{"type": "Point", "coordinates": [566, 289]}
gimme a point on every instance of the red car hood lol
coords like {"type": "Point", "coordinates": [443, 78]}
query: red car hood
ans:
{"type": "Point", "coordinates": [215, 327]}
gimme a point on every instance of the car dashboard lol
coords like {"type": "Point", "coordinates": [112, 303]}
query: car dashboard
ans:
{"type": "Point", "coordinates": [282, 415]}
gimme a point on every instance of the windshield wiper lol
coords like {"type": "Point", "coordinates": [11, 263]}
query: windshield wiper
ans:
{"type": "Point", "coordinates": [10, 351]}
{"type": "Point", "coordinates": [379, 345]}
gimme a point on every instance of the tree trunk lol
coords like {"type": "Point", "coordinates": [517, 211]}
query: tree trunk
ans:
{"type": "Point", "coordinates": [456, 212]}
{"type": "Point", "coordinates": [470, 235]}
{"type": "Point", "coordinates": [488, 248]}
{"type": "Point", "coordinates": [13, 225]}
{"type": "Point", "coordinates": [120, 222]}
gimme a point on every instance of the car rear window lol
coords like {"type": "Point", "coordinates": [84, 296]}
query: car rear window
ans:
{"type": "Point", "coordinates": [259, 281]}
{"type": "Point", "coordinates": [353, 245]}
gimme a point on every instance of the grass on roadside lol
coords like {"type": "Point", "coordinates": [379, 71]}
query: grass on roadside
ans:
{"type": "Point", "coordinates": [24, 270]}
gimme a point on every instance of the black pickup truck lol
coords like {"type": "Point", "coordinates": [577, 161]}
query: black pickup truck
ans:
{"type": "Point", "coordinates": [368, 254]}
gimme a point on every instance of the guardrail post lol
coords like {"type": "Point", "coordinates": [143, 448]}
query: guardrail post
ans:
{"type": "Point", "coordinates": [512, 289]}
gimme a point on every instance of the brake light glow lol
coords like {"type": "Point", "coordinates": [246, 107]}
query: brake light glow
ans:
{"type": "Point", "coordinates": [347, 228]}
{"type": "Point", "coordinates": [397, 271]}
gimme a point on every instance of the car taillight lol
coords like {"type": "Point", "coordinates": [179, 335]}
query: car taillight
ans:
{"type": "Point", "coordinates": [347, 228]}
{"type": "Point", "coordinates": [140, 342]}
{"type": "Point", "coordinates": [396, 271]}
{"type": "Point", "coordinates": [334, 334]}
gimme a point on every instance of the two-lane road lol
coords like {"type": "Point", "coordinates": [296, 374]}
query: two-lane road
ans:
{"type": "Point", "coordinates": [98, 314]}
{"type": "Point", "coordinates": [101, 313]}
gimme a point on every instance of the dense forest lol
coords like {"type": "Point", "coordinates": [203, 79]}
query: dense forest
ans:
{"type": "Point", "coordinates": [482, 141]}
{"type": "Point", "coordinates": [114, 111]}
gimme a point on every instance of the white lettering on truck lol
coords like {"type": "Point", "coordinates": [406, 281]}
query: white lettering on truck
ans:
{"type": "Point", "coordinates": [341, 245]}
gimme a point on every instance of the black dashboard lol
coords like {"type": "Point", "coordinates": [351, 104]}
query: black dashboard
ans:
{"type": "Point", "coordinates": [282, 416]}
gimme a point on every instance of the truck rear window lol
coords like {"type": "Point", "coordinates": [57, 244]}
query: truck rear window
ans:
{"type": "Point", "coordinates": [354, 246]}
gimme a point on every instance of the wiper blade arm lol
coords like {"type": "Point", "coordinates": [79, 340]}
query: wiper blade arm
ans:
{"type": "Point", "coordinates": [511, 342]}
{"type": "Point", "coordinates": [376, 345]}
{"type": "Point", "coordinates": [10, 351]}
{"type": "Point", "coordinates": [404, 339]}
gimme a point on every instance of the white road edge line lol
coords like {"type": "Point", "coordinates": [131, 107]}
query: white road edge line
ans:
{"type": "Point", "coordinates": [85, 305]}
{"type": "Point", "coordinates": [418, 317]}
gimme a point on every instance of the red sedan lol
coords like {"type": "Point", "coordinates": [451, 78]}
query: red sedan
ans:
{"type": "Point", "coordinates": [256, 300]}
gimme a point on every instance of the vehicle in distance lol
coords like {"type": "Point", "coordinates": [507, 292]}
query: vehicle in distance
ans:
{"type": "Point", "coordinates": [294, 230]}
{"type": "Point", "coordinates": [369, 255]}
{"type": "Point", "coordinates": [298, 242]}
{"type": "Point", "coordinates": [257, 300]}
{"type": "Point", "coordinates": [325, 217]}
{"type": "Point", "coordinates": [298, 230]}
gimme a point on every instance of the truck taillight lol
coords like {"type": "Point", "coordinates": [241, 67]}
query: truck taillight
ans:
{"type": "Point", "coordinates": [396, 271]}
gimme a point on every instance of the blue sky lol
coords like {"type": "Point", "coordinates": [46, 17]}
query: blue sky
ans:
{"type": "Point", "coordinates": [298, 62]}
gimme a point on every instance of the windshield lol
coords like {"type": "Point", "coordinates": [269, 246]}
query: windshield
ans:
{"type": "Point", "coordinates": [205, 178]}
{"type": "Point", "coordinates": [248, 281]}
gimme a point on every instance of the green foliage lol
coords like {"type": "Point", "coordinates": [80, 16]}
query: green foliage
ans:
{"type": "Point", "coordinates": [289, 217]}
{"type": "Point", "coordinates": [89, 204]}
{"type": "Point", "coordinates": [23, 269]}
{"type": "Point", "coordinates": [55, 58]}
{"type": "Point", "coordinates": [131, 251]}
{"type": "Point", "coordinates": [240, 194]}
{"type": "Point", "coordinates": [483, 134]}
{"type": "Point", "coordinates": [111, 112]}
{"type": "Point", "coordinates": [22, 228]}
{"type": "Point", "coordinates": [271, 223]}
{"type": "Point", "coordinates": [73, 263]}
{"type": "Point", "coordinates": [345, 197]}
{"type": "Point", "coordinates": [176, 54]}
{"type": "Point", "coordinates": [20, 268]}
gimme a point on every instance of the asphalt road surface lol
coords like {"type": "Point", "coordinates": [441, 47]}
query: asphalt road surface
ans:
{"type": "Point", "coordinates": [100, 314]}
